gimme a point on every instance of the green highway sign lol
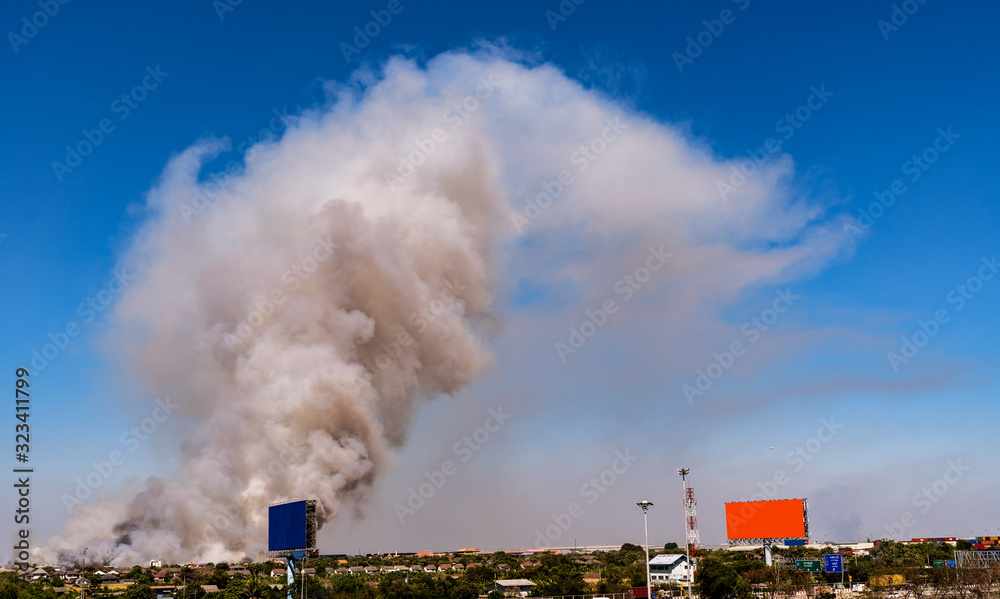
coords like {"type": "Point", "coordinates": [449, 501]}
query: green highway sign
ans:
{"type": "Point", "coordinates": [938, 563]}
{"type": "Point", "coordinates": [809, 565]}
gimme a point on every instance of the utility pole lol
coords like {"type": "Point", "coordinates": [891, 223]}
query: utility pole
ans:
{"type": "Point", "coordinates": [690, 524]}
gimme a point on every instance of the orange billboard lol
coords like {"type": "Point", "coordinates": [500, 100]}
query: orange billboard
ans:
{"type": "Point", "coordinates": [776, 519]}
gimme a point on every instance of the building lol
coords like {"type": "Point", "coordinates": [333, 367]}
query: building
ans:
{"type": "Point", "coordinates": [512, 587]}
{"type": "Point", "coordinates": [669, 568]}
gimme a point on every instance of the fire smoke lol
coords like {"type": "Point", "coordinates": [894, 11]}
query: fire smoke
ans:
{"type": "Point", "coordinates": [298, 311]}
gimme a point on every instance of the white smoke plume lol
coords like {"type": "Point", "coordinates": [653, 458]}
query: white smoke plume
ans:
{"type": "Point", "coordinates": [299, 311]}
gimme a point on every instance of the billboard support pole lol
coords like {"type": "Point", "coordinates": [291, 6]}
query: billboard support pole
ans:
{"type": "Point", "coordinates": [767, 554]}
{"type": "Point", "coordinates": [290, 579]}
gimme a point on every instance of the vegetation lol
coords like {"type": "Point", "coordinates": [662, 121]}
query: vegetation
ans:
{"type": "Point", "coordinates": [891, 571]}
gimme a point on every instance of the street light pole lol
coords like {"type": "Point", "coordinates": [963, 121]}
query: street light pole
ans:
{"type": "Point", "coordinates": [645, 505]}
{"type": "Point", "coordinates": [683, 472]}
{"type": "Point", "coordinates": [83, 592]}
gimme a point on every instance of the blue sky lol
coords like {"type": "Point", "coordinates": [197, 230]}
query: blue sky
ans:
{"type": "Point", "coordinates": [891, 95]}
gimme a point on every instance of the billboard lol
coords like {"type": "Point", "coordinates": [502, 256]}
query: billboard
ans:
{"type": "Point", "coordinates": [775, 519]}
{"type": "Point", "coordinates": [808, 565]}
{"type": "Point", "coordinates": [833, 563]}
{"type": "Point", "coordinates": [291, 526]}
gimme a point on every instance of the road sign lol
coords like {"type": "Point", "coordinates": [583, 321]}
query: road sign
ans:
{"type": "Point", "coordinates": [833, 563]}
{"type": "Point", "coordinates": [808, 565]}
{"type": "Point", "coordinates": [950, 563]}
{"type": "Point", "coordinates": [938, 563]}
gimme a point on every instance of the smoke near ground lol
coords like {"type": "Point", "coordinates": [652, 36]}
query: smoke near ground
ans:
{"type": "Point", "coordinates": [299, 311]}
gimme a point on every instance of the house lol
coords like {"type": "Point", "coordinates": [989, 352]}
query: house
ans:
{"type": "Point", "coordinates": [341, 571]}
{"type": "Point", "coordinates": [278, 573]}
{"type": "Point", "coordinates": [166, 574]}
{"type": "Point", "coordinates": [163, 590]}
{"type": "Point", "coordinates": [109, 578]}
{"type": "Point", "coordinates": [210, 588]}
{"type": "Point", "coordinates": [155, 563]}
{"type": "Point", "coordinates": [416, 569]}
{"type": "Point", "coordinates": [356, 570]}
{"type": "Point", "coordinates": [81, 582]}
{"type": "Point", "coordinates": [38, 574]}
{"type": "Point", "coordinates": [371, 569]}
{"type": "Point", "coordinates": [430, 568]}
{"type": "Point", "coordinates": [666, 568]}
{"type": "Point", "coordinates": [512, 587]}
{"type": "Point", "coordinates": [309, 571]}
{"type": "Point", "coordinates": [458, 566]}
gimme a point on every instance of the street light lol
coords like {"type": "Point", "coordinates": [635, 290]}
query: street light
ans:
{"type": "Point", "coordinates": [645, 505]}
{"type": "Point", "coordinates": [83, 592]}
{"type": "Point", "coordinates": [683, 472]}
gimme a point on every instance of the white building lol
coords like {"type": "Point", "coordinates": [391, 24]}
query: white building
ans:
{"type": "Point", "coordinates": [667, 568]}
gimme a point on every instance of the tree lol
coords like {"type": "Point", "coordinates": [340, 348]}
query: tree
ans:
{"type": "Point", "coordinates": [138, 591]}
{"type": "Point", "coordinates": [495, 595]}
{"type": "Point", "coordinates": [670, 547]}
{"type": "Point", "coordinates": [718, 580]}
{"type": "Point", "coordinates": [480, 575]}
{"type": "Point", "coordinates": [463, 589]}
{"type": "Point", "coordinates": [219, 578]}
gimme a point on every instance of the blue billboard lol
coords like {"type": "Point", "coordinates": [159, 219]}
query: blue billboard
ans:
{"type": "Point", "coordinates": [833, 563]}
{"type": "Point", "coordinates": [287, 526]}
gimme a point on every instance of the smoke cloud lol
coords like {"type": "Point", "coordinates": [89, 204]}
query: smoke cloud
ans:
{"type": "Point", "coordinates": [300, 310]}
